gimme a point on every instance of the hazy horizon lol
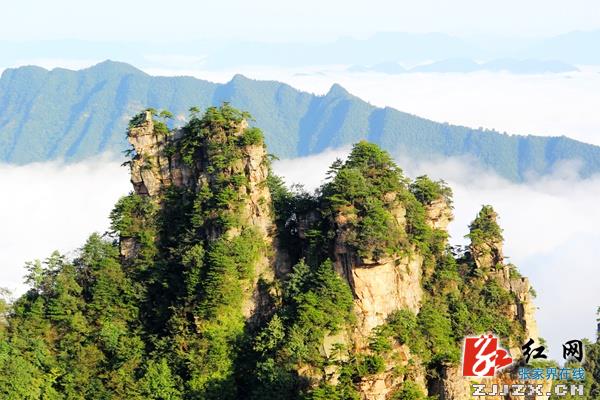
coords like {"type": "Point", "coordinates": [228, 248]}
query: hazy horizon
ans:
{"type": "Point", "coordinates": [310, 20]}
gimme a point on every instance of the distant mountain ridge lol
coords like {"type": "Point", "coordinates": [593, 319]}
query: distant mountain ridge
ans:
{"type": "Point", "coordinates": [466, 65]}
{"type": "Point", "coordinates": [47, 115]}
{"type": "Point", "coordinates": [573, 48]}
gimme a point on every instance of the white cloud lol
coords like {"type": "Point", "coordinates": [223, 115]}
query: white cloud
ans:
{"type": "Point", "coordinates": [309, 171]}
{"type": "Point", "coordinates": [52, 206]}
{"type": "Point", "coordinates": [550, 229]}
{"type": "Point", "coordinates": [550, 224]}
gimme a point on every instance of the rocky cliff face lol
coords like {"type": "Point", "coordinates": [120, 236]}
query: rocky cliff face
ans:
{"type": "Point", "coordinates": [380, 288]}
{"type": "Point", "coordinates": [487, 256]}
{"type": "Point", "coordinates": [383, 287]}
{"type": "Point", "coordinates": [152, 170]}
{"type": "Point", "coordinates": [523, 309]}
{"type": "Point", "coordinates": [395, 282]}
{"type": "Point", "coordinates": [157, 167]}
{"type": "Point", "coordinates": [380, 285]}
{"type": "Point", "coordinates": [439, 214]}
{"type": "Point", "coordinates": [230, 286]}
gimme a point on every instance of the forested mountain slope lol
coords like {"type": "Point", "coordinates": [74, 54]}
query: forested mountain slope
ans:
{"type": "Point", "coordinates": [46, 115]}
{"type": "Point", "coordinates": [218, 282]}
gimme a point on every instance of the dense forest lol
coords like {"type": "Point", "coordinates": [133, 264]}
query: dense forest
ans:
{"type": "Point", "coordinates": [73, 115]}
{"type": "Point", "coordinates": [216, 281]}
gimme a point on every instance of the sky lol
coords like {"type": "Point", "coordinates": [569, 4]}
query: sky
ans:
{"type": "Point", "coordinates": [276, 20]}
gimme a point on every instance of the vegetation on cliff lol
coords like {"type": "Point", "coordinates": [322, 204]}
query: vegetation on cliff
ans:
{"type": "Point", "coordinates": [188, 297]}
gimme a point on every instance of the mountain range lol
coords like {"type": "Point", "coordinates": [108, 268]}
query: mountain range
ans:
{"type": "Point", "coordinates": [56, 114]}
{"type": "Point", "coordinates": [466, 65]}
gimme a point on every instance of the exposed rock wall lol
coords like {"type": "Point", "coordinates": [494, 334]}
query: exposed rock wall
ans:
{"type": "Point", "coordinates": [487, 251]}
{"type": "Point", "coordinates": [151, 169]}
{"type": "Point", "coordinates": [488, 257]}
{"type": "Point", "coordinates": [439, 214]}
{"type": "Point", "coordinates": [380, 287]}
{"type": "Point", "coordinates": [523, 310]}
{"type": "Point", "coordinates": [384, 287]}
{"type": "Point", "coordinates": [155, 167]}
{"type": "Point", "coordinates": [395, 282]}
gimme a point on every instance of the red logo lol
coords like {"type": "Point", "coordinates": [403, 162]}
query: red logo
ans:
{"type": "Point", "coordinates": [483, 357]}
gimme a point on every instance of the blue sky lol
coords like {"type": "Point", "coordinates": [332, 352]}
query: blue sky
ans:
{"type": "Point", "coordinates": [273, 20]}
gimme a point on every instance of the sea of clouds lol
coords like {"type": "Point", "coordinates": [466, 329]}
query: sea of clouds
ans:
{"type": "Point", "coordinates": [53, 206]}
{"type": "Point", "coordinates": [550, 223]}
